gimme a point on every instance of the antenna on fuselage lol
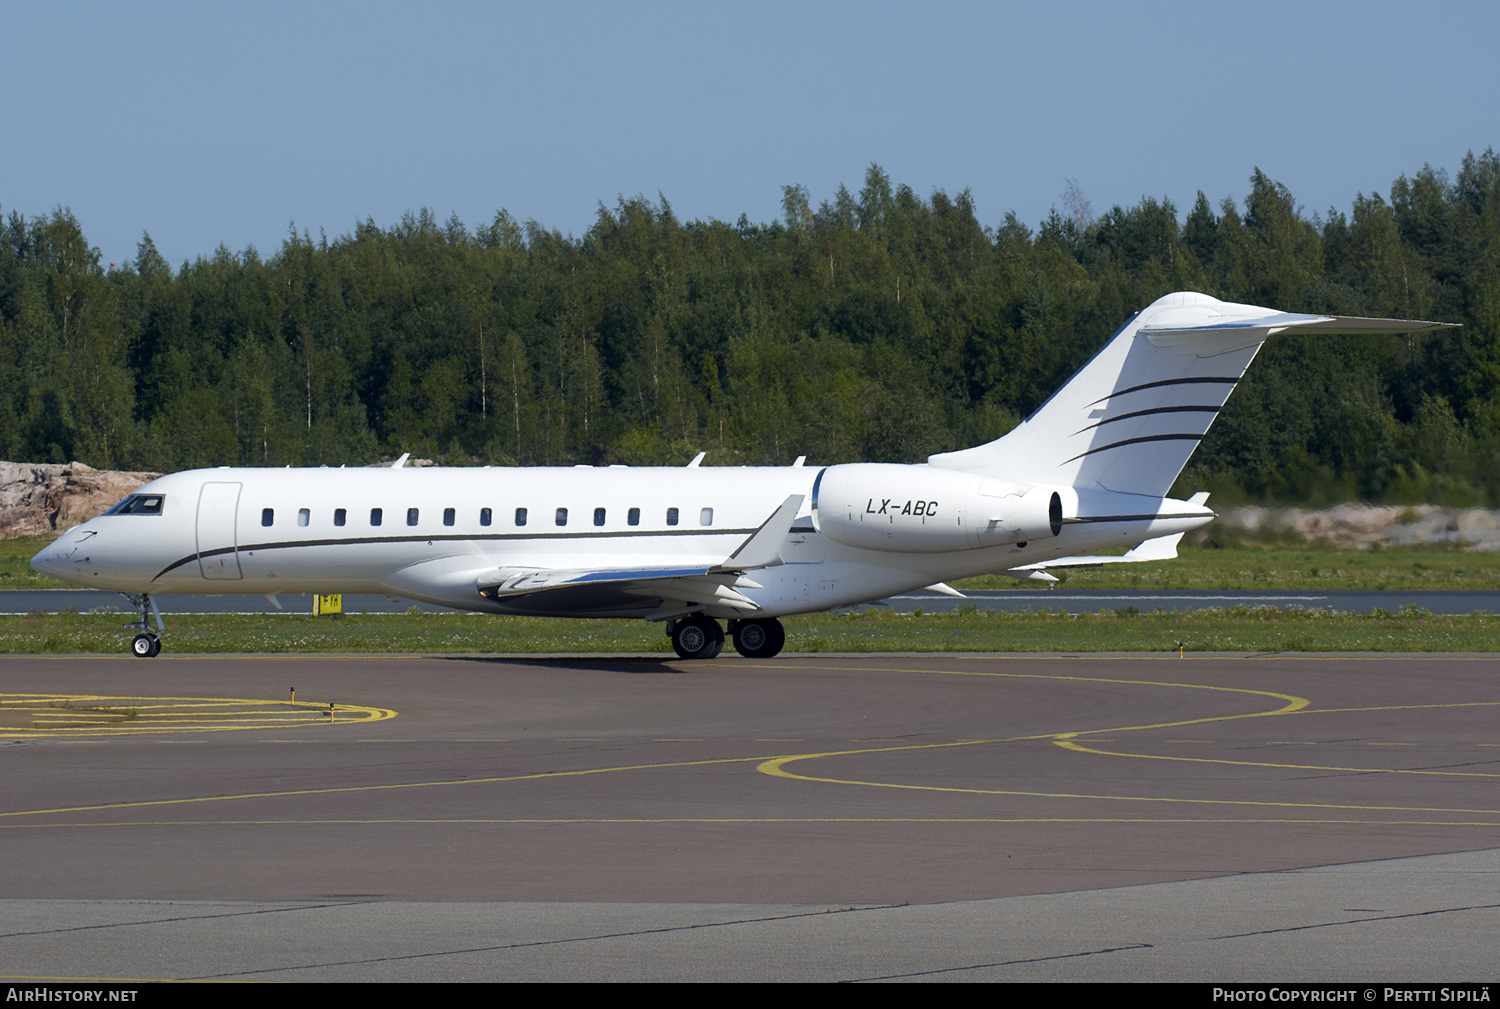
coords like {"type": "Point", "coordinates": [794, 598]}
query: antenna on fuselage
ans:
{"type": "Point", "coordinates": [402, 461]}
{"type": "Point", "coordinates": [696, 460]}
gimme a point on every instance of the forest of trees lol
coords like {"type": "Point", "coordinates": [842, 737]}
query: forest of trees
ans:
{"type": "Point", "coordinates": [873, 326]}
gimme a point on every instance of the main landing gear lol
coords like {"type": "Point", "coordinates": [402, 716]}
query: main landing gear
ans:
{"type": "Point", "coordinates": [757, 639]}
{"type": "Point", "coordinates": [700, 637]}
{"type": "Point", "coordinates": [696, 637]}
{"type": "Point", "coordinates": [146, 644]}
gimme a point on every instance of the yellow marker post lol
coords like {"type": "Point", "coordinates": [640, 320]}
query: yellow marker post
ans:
{"type": "Point", "coordinates": [328, 606]}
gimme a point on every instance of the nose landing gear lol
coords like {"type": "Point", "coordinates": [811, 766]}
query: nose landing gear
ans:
{"type": "Point", "coordinates": [146, 644]}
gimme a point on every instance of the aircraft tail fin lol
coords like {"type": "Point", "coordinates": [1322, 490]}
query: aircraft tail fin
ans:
{"type": "Point", "coordinates": [1130, 418]}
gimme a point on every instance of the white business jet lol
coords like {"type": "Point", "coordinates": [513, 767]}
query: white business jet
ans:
{"type": "Point", "coordinates": [691, 546]}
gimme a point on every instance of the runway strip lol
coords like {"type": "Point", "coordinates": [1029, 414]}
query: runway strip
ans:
{"type": "Point", "coordinates": [994, 816]}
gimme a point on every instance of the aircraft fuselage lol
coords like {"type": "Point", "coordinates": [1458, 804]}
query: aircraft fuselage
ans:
{"type": "Point", "coordinates": [428, 533]}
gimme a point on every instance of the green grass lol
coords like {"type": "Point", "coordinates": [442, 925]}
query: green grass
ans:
{"type": "Point", "coordinates": [968, 630]}
{"type": "Point", "coordinates": [15, 564]}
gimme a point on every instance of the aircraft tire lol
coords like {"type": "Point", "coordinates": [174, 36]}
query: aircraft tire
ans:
{"type": "Point", "coordinates": [145, 646]}
{"type": "Point", "coordinates": [759, 639]}
{"type": "Point", "coordinates": [697, 637]}
{"type": "Point", "coordinates": [717, 645]}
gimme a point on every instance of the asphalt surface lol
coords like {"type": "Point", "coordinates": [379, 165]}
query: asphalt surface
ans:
{"type": "Point", "coordinates": [1009, 600]}
{"type": "Point", "coordinates": [1211, 818]}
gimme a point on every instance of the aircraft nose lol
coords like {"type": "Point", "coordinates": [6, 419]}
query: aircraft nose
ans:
{"type": "Point", "coordinates": [48, 559]}
{"type": "Point", "coordinates": [56, 558]}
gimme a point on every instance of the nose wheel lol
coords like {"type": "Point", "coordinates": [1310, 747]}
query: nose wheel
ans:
{"type": "Point", "coordinates": [146, 644]}
{"type": "Point", "coordinates": [696, 637]}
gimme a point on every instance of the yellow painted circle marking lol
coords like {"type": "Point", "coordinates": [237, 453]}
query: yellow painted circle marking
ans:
{"type": "Point", "coordinates": [1292, 705]}
{"type": "Point", "coordinates": [28, 716]}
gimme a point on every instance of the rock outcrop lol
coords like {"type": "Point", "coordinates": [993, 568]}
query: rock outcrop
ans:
{"type": "Point", "coordinates": [1362, 526]}
{"type": "Point", "coordinates": [43, 499]}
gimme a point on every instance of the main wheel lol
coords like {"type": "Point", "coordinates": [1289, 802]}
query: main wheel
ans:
{"type": "Point", "coordinates": [145, 646]}
{"type": "Point", "coordinates": [697, 637]}
{"type": "Point", "coordinates": [759, 639]}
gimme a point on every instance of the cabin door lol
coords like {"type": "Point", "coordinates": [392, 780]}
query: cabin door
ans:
{"type": "Point", "coordinates": [218, 553]}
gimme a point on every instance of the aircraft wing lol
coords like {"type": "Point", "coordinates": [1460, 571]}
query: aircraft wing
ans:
{"type": "Point", "coordinates": [644, 591]}
{"type": "Point", "coordinates": [657, 591]}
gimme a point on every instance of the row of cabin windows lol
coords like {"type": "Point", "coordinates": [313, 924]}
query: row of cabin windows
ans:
{"type": "Point", "coordinates": [486, 516]}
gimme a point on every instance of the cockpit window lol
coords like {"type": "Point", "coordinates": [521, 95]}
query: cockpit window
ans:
{"type": "Point", "coordinates": [138, 504]}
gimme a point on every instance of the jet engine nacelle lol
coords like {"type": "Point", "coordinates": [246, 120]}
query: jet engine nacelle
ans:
{"type": "Point", "coordinates": [927, 509]}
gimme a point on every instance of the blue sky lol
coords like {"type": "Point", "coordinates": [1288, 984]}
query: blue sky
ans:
{"type": "Point", "coordinates": [213, 123]}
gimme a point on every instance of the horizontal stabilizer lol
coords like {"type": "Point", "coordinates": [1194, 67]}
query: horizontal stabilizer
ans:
{"type": "Point", "coordinates": [1214, 335]}
{"type": "Point", "coordinates": [1292, 322]}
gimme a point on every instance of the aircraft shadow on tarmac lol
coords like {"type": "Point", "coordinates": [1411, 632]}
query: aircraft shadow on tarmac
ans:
{"type": "Point", "coordinates": [630, 664]}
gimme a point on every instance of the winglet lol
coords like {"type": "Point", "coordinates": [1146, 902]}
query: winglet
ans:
{"type": "Point", "coordinates": [763, 548]}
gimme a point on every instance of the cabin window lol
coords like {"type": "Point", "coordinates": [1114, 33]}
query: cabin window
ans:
{"type": "Point", "coordinates": [598, 516]}
{"type": "Point", "coordinates": [138, 504]}
{"type": "Point", "coordinates": [303, 517]}
{"type": "Point", "coordinates": [339, 516]}
{"type": "Point", "coordinates": [706, 517]}
{"type": "Point", "coordinates": [267, 516]}
{"type": "Point", "coordinates": [484, 516]}
{"type": "Point", "coordinates": [411, 516]}
{"type": "Point", "coordinates": [448, 516]}
{"type": "Point", "coordinates": [376, 515]}
{"type": "Point", "coordinates": [633, 517]}
{"type": "Point", "coordinates": [562, 516]}
{"type": "Point", "coordinates": [520, 516]}
{"type": "Point", "coordinates": [671, 516]}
